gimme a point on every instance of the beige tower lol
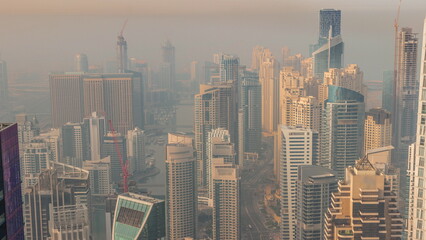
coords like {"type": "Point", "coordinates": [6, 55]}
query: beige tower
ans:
{"type": "Point", "coordinates": [377, 129]}
{"type": "Point", "coordinates": [181, 192]}
{"type": "Point", "coordinates": [111, 94]}
{"type": "Point", "coordinates": [66, 98]}
{"type": "Point", "coordinates": [269, 80]}
{"type": "Point", "coordinates": [364, 207]}
{"type": "Point", "coordinates": [226, 202]}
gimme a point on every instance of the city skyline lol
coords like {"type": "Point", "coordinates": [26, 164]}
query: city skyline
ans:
{"type": "Point", "coordinates": [225, 121]}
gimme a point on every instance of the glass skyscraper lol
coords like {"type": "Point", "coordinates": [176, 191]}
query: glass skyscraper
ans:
{"type": "Point", "coordinates": [11, 215]}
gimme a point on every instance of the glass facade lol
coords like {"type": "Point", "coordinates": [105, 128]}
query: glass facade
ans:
{"type": "Point", "coordinates": [11, 198]}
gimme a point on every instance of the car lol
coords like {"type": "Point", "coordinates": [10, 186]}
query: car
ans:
{"type": "Point", "coordinates": [250, 227]}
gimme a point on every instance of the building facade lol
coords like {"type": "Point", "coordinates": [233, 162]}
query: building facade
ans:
{"type": "Point", "coordinates": [416, 226]}
{"type": "Point", "coordinates": [297, 147]}
{"type": "Point", "coordinates": [377, 129]}
{"type": "Point", "coordinates": [315, 184]}
{"type": "Point", "coordinates": [12, 224]}
{"type": "Point", "coordinates": [139, 217]}
{"type": "Point", "coordinates": [364, 207]}
{"type": "Point", "coordinates": [181, 192]}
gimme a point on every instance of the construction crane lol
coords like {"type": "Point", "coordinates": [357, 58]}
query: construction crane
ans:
{"type": "Point", "coordinates": [124, 26]}
{"type": "Point", "coordinates": [396, 107]}
{"type": "Point", "coordinates": [124, 166]}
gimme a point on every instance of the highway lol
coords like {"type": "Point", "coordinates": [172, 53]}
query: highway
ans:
{"type": "Point", "coordinates": [252, 193]}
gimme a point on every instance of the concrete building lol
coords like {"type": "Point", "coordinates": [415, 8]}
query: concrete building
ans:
{"type": "Point", "coordinates": [66, 98]}
{"type": "Point", "coordinates": [81, 63]}
{"type": "Point", "coordinates": [75, 142]}
{"type": "Point", "coordinates": [100, 176]}
{"type": "Point", "coordinates": [297, 146]}
{"type": "Point", "coordinates": [57, 207]}
{"type": "Point", "coordinates": [181, 192]}
{"type": "Point", "coordinates": [168, 75]}
{"type": "Point", "coordinates": [269, 80]}
{"type": "Point", "coordinates": [96, 126]}
{"type": "Point", "coordinates": [416, 225]}
{"type": "Point", "coordinates": [118, 97]}
{"type": "Point", "coordinates": [364, 207]}
{"type": "Point", "coordinates": [251, 104]}
{"type": "Point", "coordinates": [219, 149]}
{"type": "Point", "coordinates": [377, 129]}
{"type": "Point", "coordinates": [406, 92]}
{"type": "Point", "coordinates": [121, 50]}
{"type": "Point", "coordinates": [12, 224]}
{"type": "Point", "coordinates": [226, 202]}
{"type": "Point", "coordinates": [36, 158]}
{"type": "Point", "coordinates": [214, 108]}
{"type": "Point", "coordinates": [109, 148]}
{"type": "Point", "coordinates": [136, 150]}
{"type": "Point", "coordinates": [139, 217]}
{"type": "Point", "coordinates": [315, 184]}
{"type": "Point", "coordinates": [342, 129]}
{"type": "Point", "coordinates": [28, 128]}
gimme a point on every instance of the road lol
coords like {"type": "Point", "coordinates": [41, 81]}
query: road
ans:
{"type": "Point", "coordinates": [252, 193]}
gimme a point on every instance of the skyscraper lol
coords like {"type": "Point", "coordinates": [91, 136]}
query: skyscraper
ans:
{"type": "Point", "coordinates": [251, 103]}
{"type": "Point", "coordinates": [35, 158]}
{"type": "Point", "coordinates": [12, 224]}
{"type": "Point", "coordinates": [364, 206]}
{"type": "Point", "coordinates": [297, 146]}
{"type": "Point", "coordinates": [328, 53]}
{"type": "Point", "coordinates": [329, 20]}
{"type": "Point", "coordinates": [75, 142]}
{"type": "Point", "coordinates": [269, 80]}
{"type": "Point", "coordinates": [388, 92]}
{"type": "Point", "coordinates": [219, 149]}
{"type": "Point", "coordinates": [112, 143]}
{"type": "Point", "coordinates": [139, 217]}
{"type": "Point", "coordinates": [377, 129]}
{"type": "Point", "coordinates": [181, 191]}
{"type": "Point", "coordinates": [66, 98]}
{"type": "Point", "coordinates": [4, 85]}
{"type": "Point", "coordinates": [80, 62]}
{"type": "Point", "coordinates": [122, 59]}
{"type": "Point", "coordinates": [136, 149]}
{"type": "Point", "coordinates": [417, 198]}
{"type": "Point", "coordinates": [96, 127]}
{"type": "Point", "coordinates": [100, 176]}
{"type": "Point", "coordinates": [315, 185]}
{"type": "Point", "coordinates": [342, 129]}
{"type": "Point", "coordinates": [214, 108]}
{"type": "Point", "coordinates": [117, 96]}
{"type": "Point", "coordinates": [168, 56]}
{"type": "Point", "coordinates": [405, 94]}
{"type": "Point", "coordinates": [229, 68]}
{"type": "Point", "coordinates": [57, 207]}
{"type": "Point", "coordinates": [226, 202]}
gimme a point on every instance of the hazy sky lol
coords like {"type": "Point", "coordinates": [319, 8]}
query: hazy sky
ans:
{"type": "Point", "coordinates": [43, 35]}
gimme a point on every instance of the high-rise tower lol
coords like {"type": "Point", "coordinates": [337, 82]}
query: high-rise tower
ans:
{"type": "Point", "coordinates": [122, 59]}
{"type": "Point", "coordinates": [364, 207]}
{"type": "Point", "coordinates": [181, 195]}
{"type": "Point", "coordinates": [315, 185]}
{"type": "Point", "coordinates": [66, 98]}
{"type": "Point", "coordinates": [405, 94]}
{"type": "Point", "coordinates": [12, 224]}
{"type": "Point", "coordinates": [342, 129]}
{"type": "Point", "coordinates": [297, 146]}
{"type": "Point", "coordinates": [168, 65]}
{"type": "Point", "coordinates": [377, 129]}
{"type": "Point", "coordinates": [81, 63]}
{"type": "Point", "coordinates": [328, 52]}
{"type": "Point", "coordinates": [416, 165]}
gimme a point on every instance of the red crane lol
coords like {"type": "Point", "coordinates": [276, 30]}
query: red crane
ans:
{"type": "Point", "coordinates": [124, 166]}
